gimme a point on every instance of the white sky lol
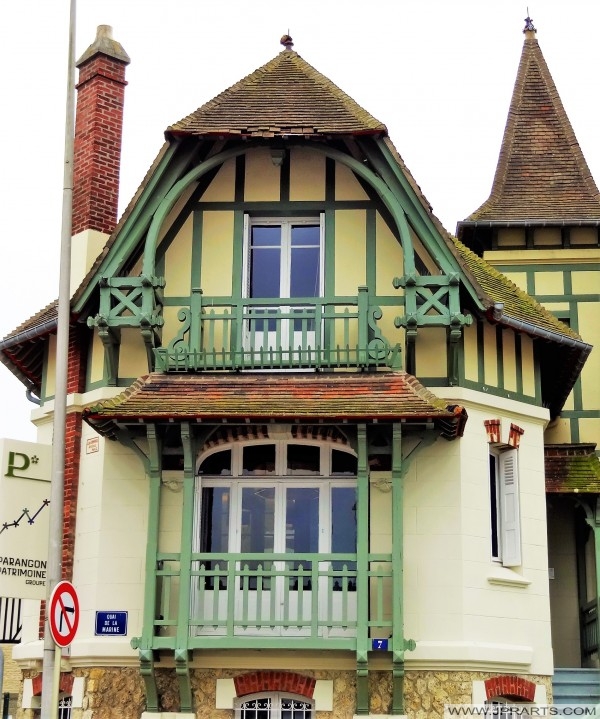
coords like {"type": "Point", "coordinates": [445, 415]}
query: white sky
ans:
{"type": "Point", "coordinates": [439, 74]}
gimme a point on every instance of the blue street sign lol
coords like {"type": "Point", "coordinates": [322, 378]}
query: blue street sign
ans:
{"type": "Point", "coordinates": [111, 624]}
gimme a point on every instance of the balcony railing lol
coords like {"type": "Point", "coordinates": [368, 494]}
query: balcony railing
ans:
{"type": "Point", "coordinates": [590, 639]}
{"type": "Point", "coordinates": [229, 333]}
{"type": "Point", "coordinates": [266, 600]}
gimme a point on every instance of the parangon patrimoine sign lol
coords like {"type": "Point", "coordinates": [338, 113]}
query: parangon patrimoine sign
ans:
{"type": "Point", "coordinates": [24, 518]}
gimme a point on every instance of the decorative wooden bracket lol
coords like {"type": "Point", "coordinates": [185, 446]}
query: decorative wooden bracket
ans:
{"type": "Point", "coordinates": [182, 670]}
{"type": "Point", "coordinates": [128, 302]}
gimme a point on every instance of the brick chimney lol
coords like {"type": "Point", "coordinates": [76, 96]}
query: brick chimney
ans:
{"type": "Point", "coordinates": [98, 131]}
{"type": "Point", "coordinates": [97, 151]}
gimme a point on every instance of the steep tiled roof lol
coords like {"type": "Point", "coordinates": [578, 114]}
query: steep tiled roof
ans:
{"type": "Point", "coordinates": [516, 304]}
{"type": "Point", "coordinates": [287, 96]}
{"type": "Point", "coordinates": [332, 397]}
{"type": "Point", "coordinates": [572, 468]}
{"type": "Point", "coordinates": [22, 351]}
{"type": "Point", "coordinates": [541, 173]}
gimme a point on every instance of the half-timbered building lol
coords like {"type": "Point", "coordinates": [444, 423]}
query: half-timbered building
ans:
{"type": "Point", "coordinates": [306, 426]}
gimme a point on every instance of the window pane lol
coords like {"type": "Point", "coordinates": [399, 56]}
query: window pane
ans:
{"type": "Point", "coordinates": [343, 463]}
{"type": "Point", "coordinates": [494, 506]}
{"type": "Point", "coordinates": [303, 459]}
{"type": "Point", "coordinates": [306, 235]}
{"type": "Point", "coordinates": [258, 505]}
{"type": "Point", "coordinates": [343, 520]}
{"type": "Point", "coordinates": [265, 272]}
{"type": "Point", "coordinates": [266, 235]}
{"type": "Point", "coordinates": [214, 528]}
{"type": "Point", "coordinates": [302, 520]}
{"type": "Point", "coordinates": [259, 459]}
{"type": "Point", "coordinates": [217, 463]}
{"type": "Point", "coordinates": [304, 272]}
{"type": "Point", "coordinates": [343, 535]}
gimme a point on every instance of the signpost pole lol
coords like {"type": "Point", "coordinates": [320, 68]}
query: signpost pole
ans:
{"type": "Point", "coordinates": [50, 658]}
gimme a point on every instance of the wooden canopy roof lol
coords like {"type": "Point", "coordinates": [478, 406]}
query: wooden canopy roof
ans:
{"type": "Point", "coordinates": [339, 397]}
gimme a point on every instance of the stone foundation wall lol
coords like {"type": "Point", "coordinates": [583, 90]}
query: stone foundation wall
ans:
{"type": "Point", "coordinates": [112, 693]}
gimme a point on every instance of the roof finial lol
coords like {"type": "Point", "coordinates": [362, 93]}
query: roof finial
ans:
{"type": "Point", "coordinates": [529, 26]}
{"type": "Point", "coordinates": [287, 41]}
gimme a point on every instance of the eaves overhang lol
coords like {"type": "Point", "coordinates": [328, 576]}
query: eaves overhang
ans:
{"type": "Point", "coordinates": [571, 353]}
{"type": "Point", "coordinates": [328, 398]}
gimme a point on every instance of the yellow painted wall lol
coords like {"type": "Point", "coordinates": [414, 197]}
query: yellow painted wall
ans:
{"type": "Point", "coordinates": [547, 236]}
{"type": "Point", "coordinates": [177, 262]}
{"type": "Point", "coordinates": [583, 236]}
{"type": "Point", "coordinates": [217, 253]}
{"type": "Point", "coordinates": [263, 178]}
{"type": "Point", "coordinates": [347, 186]}
{"type": "Point", "coordinates": [589, 327]}
{"type": "Point", "coordinates": [490, 355]}
{"type": "Point", "coordinates": [470, 352]}
{"type": "Point", "coordinates": [589, 430]}
{"type": "Point", "coordinates": [132, 354]}
{"type": "Point", "coordinates": [390, 259]}
{"type": "Point", "coordinates": [51, 367]}
{"type": "Point", "coordinates": [307, 175]}
{"type": "Point", "coordinates": [585, 282]}
{"type": "Point", "coordinates": [509, 361]}
{"type": "Point", "coordinates": [519, 279]}
{"type": "Point", "coordinates": [528, 366]}
{"type": "Point", "coordinates": [222, 188]}
{"type": "Point", "coordinates": [511, 237]}
{"type": "Point", "coordinates": [350, 255]}
{"type": "Point", "coordinates": [549, 283]}
{"type": "Point", "coordinates": [96, 360]}
{"type": "Point", "coordinates": [431, 354]}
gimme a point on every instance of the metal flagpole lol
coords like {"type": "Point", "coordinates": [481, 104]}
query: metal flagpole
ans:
{"type": "Point", "coordinates": [51, 653]}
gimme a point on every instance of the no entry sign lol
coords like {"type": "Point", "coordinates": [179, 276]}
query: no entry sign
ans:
{"type": "Point", "coordinates": [63, 616]}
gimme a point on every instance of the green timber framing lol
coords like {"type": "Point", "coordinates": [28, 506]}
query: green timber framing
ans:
{"type": "Point", "coordinates": [532, 269]}
{"type": "Point", "coordinates": [182, 641]}
{"type": "Point", "coordinates": [429, 300]}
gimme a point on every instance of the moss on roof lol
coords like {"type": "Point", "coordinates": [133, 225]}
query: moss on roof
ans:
{"type": "Point", "coordinates": [517, 304]}
{"type": "Point", "coordinates": [286, 96]}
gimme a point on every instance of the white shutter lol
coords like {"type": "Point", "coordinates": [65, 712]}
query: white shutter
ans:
{"type": "Point", "coordinates": [509, 509]}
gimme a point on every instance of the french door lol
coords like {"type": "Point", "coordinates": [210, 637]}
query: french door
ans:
{"type": "Point", "coordinates": [283, 260]}
{"type": "Point", "coordinates": [296, 519]}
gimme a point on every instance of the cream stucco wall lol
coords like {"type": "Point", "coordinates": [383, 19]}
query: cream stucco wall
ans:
{"type": "Point", "coordinates": [460, 604]}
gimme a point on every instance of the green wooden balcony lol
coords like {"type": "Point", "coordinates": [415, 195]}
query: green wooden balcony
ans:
{"type": "Point", "coordinates": [273, 333]}
{"type": "Point", "coordinates": [312, 601]}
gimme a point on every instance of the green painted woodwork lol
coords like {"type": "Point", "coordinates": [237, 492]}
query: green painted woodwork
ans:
{"type": "Point", "coordinates": [233, 605]}
{"type": "Point", "coordinates": [138, 301]}
{"type": "Point", "coordinates": [131, 231]}
{"type": "Point", "coordinates": [144, 644]}
{"type": "Point", "coordinates": [397, 573]}
{"type": "Point", "coordinates": [362, 570]}
{"type": "Point", "coordinates": [182, 653]}
{"type": "Point", "coordinates": [247, 333]}
{"type": "Point", "coordinates": [591, 612]}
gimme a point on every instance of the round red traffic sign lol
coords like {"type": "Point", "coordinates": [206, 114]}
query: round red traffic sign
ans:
{"type": "Point", "coordinates": [63, 614]}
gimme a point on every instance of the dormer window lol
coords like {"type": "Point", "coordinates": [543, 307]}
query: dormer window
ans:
{"type": "Point", "coordinates": [283, 259]}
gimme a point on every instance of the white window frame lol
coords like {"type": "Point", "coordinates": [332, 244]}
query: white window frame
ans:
{"type": "Point", "coordinates": [285, 223]}
{"type": "Point", "coordinates": [276, 700]}
{"type": "Point", "coordinates": [504, 483]}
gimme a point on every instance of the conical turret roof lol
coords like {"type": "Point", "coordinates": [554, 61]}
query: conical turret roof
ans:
{"type": "Point", "coordinates": [286, 96]}
{"type": "Point", "coordinates": [542, 174]}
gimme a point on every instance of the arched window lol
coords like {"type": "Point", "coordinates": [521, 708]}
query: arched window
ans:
{"type": "Point", "coordinates": [274, 520]}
